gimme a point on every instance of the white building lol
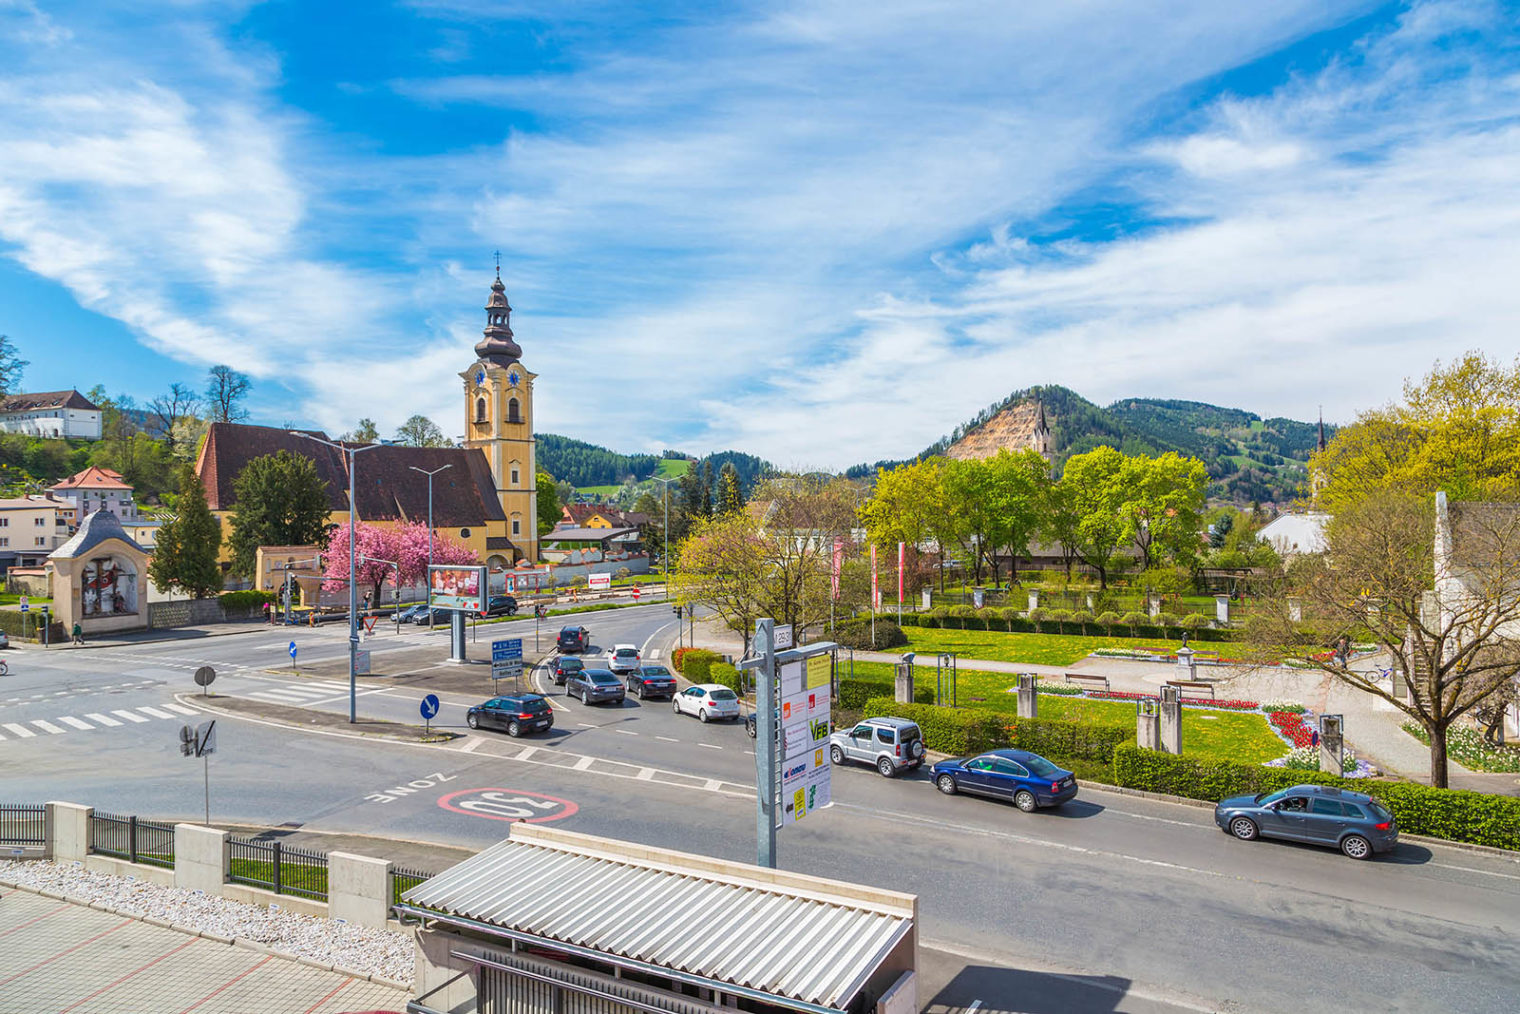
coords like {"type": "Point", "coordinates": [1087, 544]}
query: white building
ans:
{"type": "Point", "coordinates": [98, 489]}
{"type": "Point", "coordinates": [58, 414]}
{"type": "Point", "coordinates": [31, 527]}
{"type": "Point", "coordinates": [1295, 534]}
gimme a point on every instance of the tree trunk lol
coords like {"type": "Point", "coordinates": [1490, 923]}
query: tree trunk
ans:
{"type": "Point", "coordinates": [1437, 756]}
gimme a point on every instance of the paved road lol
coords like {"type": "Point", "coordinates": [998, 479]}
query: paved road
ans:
{"type": "Point", "coordinates": [1110, 903]}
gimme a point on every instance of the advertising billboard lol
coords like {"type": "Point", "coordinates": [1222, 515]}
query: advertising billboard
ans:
{"type": "Point", "coordinates": [805, 722]}
{"type": "Point", "coordinates": [451, 587]}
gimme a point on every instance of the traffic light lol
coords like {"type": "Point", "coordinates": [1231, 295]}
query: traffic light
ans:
{"type": "Point", "coordinates": [677, 611]}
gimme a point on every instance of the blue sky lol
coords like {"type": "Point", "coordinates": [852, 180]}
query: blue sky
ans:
{"type": "Point", "coordinates": [821, 232]}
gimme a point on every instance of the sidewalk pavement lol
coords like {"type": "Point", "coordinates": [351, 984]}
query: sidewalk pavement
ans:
{"type": "Point", "coordinates": [151, 636]}
{"type": "Point", "coordinates": [62, 956]}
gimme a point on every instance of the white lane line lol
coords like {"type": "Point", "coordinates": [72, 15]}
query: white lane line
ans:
{"type": "Point", "coordinates": [129, 716]}
{"type": "Point", "coordinates": [471, 746]}
{"type": "Point", "coordinates": [1469, 869]}
{"type": "Point", "coordinates": [645, 775]}
{"type": "Point", "coordinates": [527, 751]}
{"type": "Point", "coordinates": [19, 730]}
{"type": "Point", "coordinates": [709, 746]}
{"type": "Point", "coordinates": [584, 763]}
{"type": "Point", "coordinates": [667, 739]}
{"type": "Point", "coordinates": [155, 712]}
{"type": "Point", "coordinates": [587, 725]}
{"type": "Point", "coordinates": [48, 727]}
{"type": "Point", "coordinates": [62, 693]}
{"type": "Point", "coordinates": [277, 697]}
{"type": "Point", "coordinates": [102, 719]}
{"type": "Point", "coordinates": [712, 785]}
{"type": "Point", "coordinates": [75, 722]}
{"type": "Point", "coordinates": [975, 1006]}
{"type": "Point", "coordinates": [624, 732]}
{"type": "Point", "coordinates": [180, 709]}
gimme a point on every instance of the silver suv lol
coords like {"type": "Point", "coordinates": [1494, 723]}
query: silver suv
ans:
{"type": "Point", "coordinates": [893, 745]}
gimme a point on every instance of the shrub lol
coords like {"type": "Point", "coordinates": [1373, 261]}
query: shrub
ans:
{"type": "Point", "coordinates": [1037, 616]}
{"type": "Point", "coordinates": [1108, 620]}
{"type": "Point", "coordinates": [1082, 618]}
{"type": "Point", "coordinates": [1454, 814]}
{"type": "Point", "coordinates": [857, 634]}
{"type": "Point", "coordinates": [1166, 620]}
{"type": "Point", "coordinates": [695, 663]}
{"type": "Point", "coordinates": [1134, 620]}
{"type": "Point", "coordinates": [729, 676]}
{"type": "Point", "coordinates": [962, 612]}
{"type": "Point", "coordinates": [1195, 621]}
{"type": "Point", "coordinates": [960, 731]}
{"type": "Point", "coordinates": [622, 572]}
{"type": "Point", "coordinates": [854, 695]}
{"type": "Point", "coordinates": [11, 621]}
{"type": "Point", "coordinates": [248, 598]}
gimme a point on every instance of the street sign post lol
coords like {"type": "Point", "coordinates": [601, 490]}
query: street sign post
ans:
{"type": "Point", "coordinates": [506, 659]}
{"type": "Point", "coordinates": [429, 709]}
{"type": "Point", "coordinates": [204, 677]}
{"type": "Point", "coordinates": [292, 651]}
{"type": "Point", "coordinates": [201, 742]}
{"type": "Point", "coordinates": [25, 605]}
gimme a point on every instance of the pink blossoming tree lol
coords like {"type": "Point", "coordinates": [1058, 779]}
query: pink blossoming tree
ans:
{"type": "Point", "coordinates": [380, 551]}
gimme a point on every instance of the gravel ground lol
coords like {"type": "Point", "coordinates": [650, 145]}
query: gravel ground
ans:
{"type": "Point", "coordinates": [384, 953]}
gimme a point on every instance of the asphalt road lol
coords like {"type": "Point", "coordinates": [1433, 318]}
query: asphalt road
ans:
{"type": "Point", "coordinates": [1110, 903]}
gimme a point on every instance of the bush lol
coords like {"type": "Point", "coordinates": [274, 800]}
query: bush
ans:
{"type": "Point", "coordinates": [1134, 620]}
{"type": "Point", "coordinates": [1453, 814]}
{"type": "Point", "coordinates": [729, 676]}
{"type": "Point", "coordinates": [247, 599]}
{"type": "Point", "coordinates": [857, 634]}
{"type": "Point", "coordinates": [960, 731]}
{"type": "Point", "coordinates": [11, 621]}
{"type": "Point", "coordinates": [1082, 618]}
{"type": "Point", "coordinates": [1108, 620]}
{"type": "Point", "coordinates": [696, 663]}
{"type": "Point", "coordinates": [854, 695]}
{"type": "Point", "coordinates": [1166, 620]}
{"type": "Point", "coordinates": [1195, 621]}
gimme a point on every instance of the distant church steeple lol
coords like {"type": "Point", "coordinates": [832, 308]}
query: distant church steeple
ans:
{"type": "Point", "coordinates": [497, 346]}
{"type": "Point", "coordinates": [1322, 427]}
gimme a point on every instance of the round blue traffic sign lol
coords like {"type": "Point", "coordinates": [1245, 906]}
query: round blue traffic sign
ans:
{"type": "Point", "coordinates": [430, 706]}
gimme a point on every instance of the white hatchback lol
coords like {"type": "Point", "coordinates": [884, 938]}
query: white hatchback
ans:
{"type": "Point", "coordinates": [623, 658]}
{"type": "Point", "coordinates": [708, 701]}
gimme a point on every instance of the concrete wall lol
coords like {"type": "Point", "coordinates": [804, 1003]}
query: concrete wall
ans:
{"type": "Point", "coordinates": [358, 889]}
{"type": "Point", "coordinates": [68, 830]}
{"type": "Point", "coordinates": [185, 613]}
{"type": "Point", "coordinates": [200, 858]}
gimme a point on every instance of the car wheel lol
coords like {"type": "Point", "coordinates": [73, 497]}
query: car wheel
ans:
{"type": "Point", "coordinates": [472, 722]}
{"type": "Point", "coordinates": [886, 767]}
{"type": "Point", "coordinates": [1244, 828]}
{"type": "Point", "coordinates": [752, 726]}
{"type": "Point", "coordinates": [1357, 847]}
{"type": "Point", "coordinates": [946, 784]}
{"type": "Point", "coordinates": [1024, 800]}
{"type": "Point", "coordinates": [675, 705]}
{"type": "Point", "coordinates": [836, 755]}
{"type": "Point", "coordinates": [702, 714]}
{"type": "Point", "coordinates": [513, 729]}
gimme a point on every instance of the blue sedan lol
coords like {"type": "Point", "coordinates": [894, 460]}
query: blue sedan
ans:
{"type": "Point", "coordinates": [1027, 779]}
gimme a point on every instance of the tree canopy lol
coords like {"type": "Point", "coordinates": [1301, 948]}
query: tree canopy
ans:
{"type": "Point", "coordinates": [185, 556]}
{"type": "Point", "coordinates": [280, 501]}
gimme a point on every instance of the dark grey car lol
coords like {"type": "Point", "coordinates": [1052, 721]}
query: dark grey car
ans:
{"type": "Point", "coordinates": [593, 686]}
{"type": "Point", "coordinates": [1356, 824]}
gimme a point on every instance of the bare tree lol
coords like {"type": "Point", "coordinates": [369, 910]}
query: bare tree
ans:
{"type": "Point", "coordinates": [11, 366]}
{"type": "Point", "coordinates": [225, 390]}
{"type": "Point", "coordinates": [170, 408]}
{"type": "Point", "coordinates": [1442, 599]}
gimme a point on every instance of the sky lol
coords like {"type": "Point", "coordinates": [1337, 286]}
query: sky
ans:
{"type": "Point", "coordinates": [820, 232]}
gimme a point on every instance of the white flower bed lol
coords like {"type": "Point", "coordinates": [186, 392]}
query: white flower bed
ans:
{"type": "Point", "coordinates": [383, 953]}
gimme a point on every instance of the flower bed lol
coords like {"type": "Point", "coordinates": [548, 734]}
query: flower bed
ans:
{"type": "Point", "coordinates": [1124, 695]}
{"type": "Point", "coordinates": [1291, 726]}
{"type": "Point", "coordinates": [1465, 746]}
{"type": "Point", "coordinates": [1289, 706]}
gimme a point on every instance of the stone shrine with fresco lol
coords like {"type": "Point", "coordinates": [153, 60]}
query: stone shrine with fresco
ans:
{"type": "Point", "coordinates": [100, 578]}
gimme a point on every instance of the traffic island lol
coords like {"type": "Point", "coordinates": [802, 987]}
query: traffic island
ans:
{"type": "Point", "coordinates": [424, 668]}
{"type": "Point", "coordinates": [309, 718]}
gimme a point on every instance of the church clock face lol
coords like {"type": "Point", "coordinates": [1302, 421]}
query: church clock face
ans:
{"type": "Point", "coordinates": [480, 378]}
{"type": "Point", "coordinates": [512, 378]}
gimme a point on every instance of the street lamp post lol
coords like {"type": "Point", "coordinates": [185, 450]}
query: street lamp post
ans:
{"type": "Point", "coordinates": [353, 590]}
{"type": "Point", "coordinates": [665, 536]}
{"type": "Point", "coordinates": [430, 535]}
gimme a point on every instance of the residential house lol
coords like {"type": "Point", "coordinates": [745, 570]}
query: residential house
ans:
{"type": "Point", "coordinates": [63, 415]}
{"type": "Point", "coordinates": [31, 527]}
{"type": "Point", "coordinates": [97, 489]}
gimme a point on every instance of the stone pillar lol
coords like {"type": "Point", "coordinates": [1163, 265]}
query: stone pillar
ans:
{"type": "Point", "coordinates": [1029, 698]}
{"type": "Point", "coordinates": [358, 889]}
{"type": "Point", "coordinates": [1171, 720]}
{"type": "Point", "coordinates": [905, 679]}
{"type": "Point", "coordinates": [68, 832]}
{"type": "Point", "coordinates": [1147, 724]}
{"type": "Point", "coordinates": [1187, 668]}
{"type": "Point", "coordinates": [1400, 685]}
{"type": "Point", "coordinates": [1296, 610]}
{"type": "Point", "coordinates": [200, 858]}
{"type": "Point", "coordinates": [1331, 741]}
{"type": "Point", "coordinates": [1034, 599]}
{"type": "Point", "coordinates": [1090, 600]}
{"type": "Point", "coordinates": [1221, 609]}
{"type": "Point", "coordinates": [1153, 606]}
{"type": "Point", "coordinates": [928, 599]}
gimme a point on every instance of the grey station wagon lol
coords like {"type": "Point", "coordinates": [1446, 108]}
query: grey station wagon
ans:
{"type": "Point", "coordinates": [1358, 825]}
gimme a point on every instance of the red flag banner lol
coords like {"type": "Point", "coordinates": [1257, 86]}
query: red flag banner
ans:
{"type": "Point", "coordinates": [900, 554]}
{"type": "Point", "coordinates": [838, 565]}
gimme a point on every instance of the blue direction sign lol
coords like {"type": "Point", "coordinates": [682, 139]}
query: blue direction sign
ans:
{"type": "Point", "coordinates": [292, 649]}
{"type": "Point", "coordinates": [506, 658]}
{"type": "Point", "coordinates": [430, 706]}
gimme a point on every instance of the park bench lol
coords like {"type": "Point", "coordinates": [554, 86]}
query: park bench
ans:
{"type": "Point", "coordinates": [1192, 688]}
{"type": "Point", "coordinates": [1098, 682]}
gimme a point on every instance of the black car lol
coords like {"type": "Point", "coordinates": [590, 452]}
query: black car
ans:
{"type": "Point", "coordinates": [413, 613]}
{"type": "Point", "coordinates": [514, 715]}
{"type": "Point", "coordinates": [595, 685]}
{"type": "Point", "coordinates": [500, 605]}
{"type": "Point", "coordinates": [1356, 824]}
{"type": "Point", "coordinates": [573, 639]}
{"type": "Point", "coordinates": [565, 666]}
{"type": "Point", "coordinates": [652, 681]}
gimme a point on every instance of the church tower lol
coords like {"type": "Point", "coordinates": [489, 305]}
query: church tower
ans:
{"type": "Point", "coordinates": [499, 421]}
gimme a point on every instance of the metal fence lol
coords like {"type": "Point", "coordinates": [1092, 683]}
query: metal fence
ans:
{"type": "Point", "coordinates": [277, 867]}
{"type": "Point", "coordinates": [23, 824]}
{"type": "Point", "coordinates": [138, 841]}
{"type": "Point", "coordinates": [403, 880]}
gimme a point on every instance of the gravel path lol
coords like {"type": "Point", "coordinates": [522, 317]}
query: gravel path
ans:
{"type": "Point", "coordinates": [386, 954]}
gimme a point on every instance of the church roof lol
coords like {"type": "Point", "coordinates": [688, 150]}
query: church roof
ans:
{"type": "Point", "coordinates": [95, 529]}
{"type": "Point", "coordinates": [497, 345]}
{"type": "Point", "coordinates": [46, 399]}
{"type": "Point", "coordinates": [386, 488]}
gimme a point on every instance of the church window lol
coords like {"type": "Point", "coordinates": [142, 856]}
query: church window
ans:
{"type": "Point", "coordinates": [516, 475]}
{"type": "Point", "coordinates": [516, 527]}
{"type": "Point", "coordinates": [514, 413]}
{"type": "Point", "coordinates": [480, 410]}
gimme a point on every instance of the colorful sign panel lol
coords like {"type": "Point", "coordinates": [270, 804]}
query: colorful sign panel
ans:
{"type": "Point", "coordinates": [805, 724]}
{"type": "Point", "coordinates": [451, 587]}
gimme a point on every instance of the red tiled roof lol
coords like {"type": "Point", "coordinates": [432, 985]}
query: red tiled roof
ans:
{"type": "Point", "coordinates": [94, 478]}
{"type": "Point", "coordinates": [46, 399]}
{"type": "Point", "coordinates": [386, 488]}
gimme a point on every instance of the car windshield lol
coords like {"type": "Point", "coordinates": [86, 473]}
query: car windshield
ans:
{"type": "Point", "coordinates": [656, 671]}
{"type": "Point", "coordinates": [1271, 797]}
{"type": "Point", "coordinates": [724, 694]}
{"type": "Point", "coordinates": [627, 653]}
{"type": "Point", "coordinates": [1041, 768]}
{"type": "Point", "coordinates": [598, 676]}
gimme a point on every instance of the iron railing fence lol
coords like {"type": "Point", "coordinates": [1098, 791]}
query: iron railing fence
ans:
{"type": "Point", "coordinates": [132, 838]}
{"type": "Point", "coordinates": [277, 867]}
{"type": "Point", "coordinates": [403, 880]}
{"type": "Point", "coordinates": [23, 824]}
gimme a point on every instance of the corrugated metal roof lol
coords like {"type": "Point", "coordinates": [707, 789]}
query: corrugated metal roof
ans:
{"type": "Point", "coordinates": [772, 939]}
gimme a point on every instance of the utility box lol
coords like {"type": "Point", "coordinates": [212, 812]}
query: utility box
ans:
{"type": "Point", "coordinates": [1147, 724]}
{"type": "Point", "coordinates": [1331, 743]}
{"type": "Point", "coordinates": [1171, 720]}
{"type": "Point", "coordinates": [1029, 698]}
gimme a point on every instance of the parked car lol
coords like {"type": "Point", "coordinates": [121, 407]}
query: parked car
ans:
{"type": "Point", "coordinates": [1356, 824]}
{"type": "Point", "coordinates": [420, 617]}
{"type": "Point", "coordinates": [623, 658]}
{"type": "Point", "coordinates": [593, 686]}
{"type": "Point", "coordinates": [707, 701]}
{"type": "Point", "coordinates": [5, 642]}
{"type": "Point", "coordinates": [1028, 779]}
{"type": "Point", "coordinates": [565, 666]}
{"type": "Point", "coordinates": [514, 715]}
{"type": "Point", "coordinates": [573, 639]}
{"type": "Point", "coordinates": [652, 681]}
{"type": "Point", "coordinates": [499, 605]}
{"type": "Point", "coordinates": [891, 745]}
{"type": "Point", "coordinates": [416, 613]}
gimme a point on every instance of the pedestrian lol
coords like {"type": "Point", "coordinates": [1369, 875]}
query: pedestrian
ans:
{"type": "Point", "coordinates": [78, 633]}
{"type": "Point", "coordinates": [268, 613]}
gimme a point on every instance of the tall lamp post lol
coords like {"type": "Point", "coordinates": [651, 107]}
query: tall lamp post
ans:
{"type": "Point", "coordinates": [430, 535]}
{"type": "Point", "coordinates": [665, 536]}
{"type": "Point", "coordinates": [353, 590]}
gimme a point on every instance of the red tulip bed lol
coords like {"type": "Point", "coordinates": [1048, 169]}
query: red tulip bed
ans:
{"type": "Point", "coordinates": [1292, 728]}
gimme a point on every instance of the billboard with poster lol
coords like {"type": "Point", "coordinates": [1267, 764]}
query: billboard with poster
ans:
{"type": "Point", "coordinates": [452, 587]}
{"type": "Point", "coordinates": [805, 722]}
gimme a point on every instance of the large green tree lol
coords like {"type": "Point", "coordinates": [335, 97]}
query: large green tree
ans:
{"type": "Point", "coordinates": [548, 503]}
{"type": "Point", "coordinates": [1164, 506]}
{"type": "Point", "coordinates": [420, 431]}
{"type": "Point", "coordinates": [730, 499]}
{"type": "Point", "coordinates": [280, 501]}
{"type": "Point", "coordinates": [1087, 509]}
{"type": "Point", "coordinates": [185, 558]}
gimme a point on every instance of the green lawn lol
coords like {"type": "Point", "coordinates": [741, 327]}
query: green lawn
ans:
{"type": "Point", "coordinates": [672, 468]}
{"type": "Point", "coordinates": [13, 599]}
{"type": "Point", "coordinates": [1040, 649]}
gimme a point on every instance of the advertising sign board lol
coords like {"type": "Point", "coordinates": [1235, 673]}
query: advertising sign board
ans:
{"type": "Point", "coordinates": [805, 714]}
{"type": "Point", "coordinates": [452, 587]}
{"type": "Point", "coordinates": [599, 582]}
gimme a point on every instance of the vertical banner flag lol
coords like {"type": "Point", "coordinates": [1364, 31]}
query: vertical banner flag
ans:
{"type": "Point", "coordinates": [838, 563]}
{"type": "Point", "coordinates": [875, 588]}
{"type": "Point", "coordinates": [900, 574]}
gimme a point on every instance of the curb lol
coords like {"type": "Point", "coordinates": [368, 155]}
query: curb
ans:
{"type": "Point", "coordinates": [197, 701]}
{"type": "Point", "coordinates": [88, 646]}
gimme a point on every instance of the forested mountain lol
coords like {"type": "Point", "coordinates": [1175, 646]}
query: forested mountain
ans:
{"type": "Point", "coordinates": [583, 464]}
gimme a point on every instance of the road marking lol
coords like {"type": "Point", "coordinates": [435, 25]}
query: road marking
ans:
{"type": "Point", "coordinates": [155, 712]}
{"type": "Point", "coordinates": [645, 775]}
{"type": "Point", "coordinates": [975, 1006]}
{"type": "Point", "coordinates": [1469, 869]}
{"type": "Point", "coordinates": [582, 764]}
{"type": "Point", "coordinates": [527, 751]}
{"type": "Point", "coordinates": [712, 785]}
{"type": "Point", "coordinates": [471, 746]}
{"type": "Point", "coordinates": [587, 725]}
{"type": "Point", "coordinates": [76, 723]}
{"type": "Point", "coordinates": [20, 730]}
{"type": "Point", "coordinates": [180, 709]}
{"type": "Point", "coordinates": [624, 732]}
{"type": "Point", "coordinates": [102, 719]}
{"type": "Point", "coordinates": [709, 746]}
{"type": "Point", "coordinates": [61, 693]}
{"type": "Point", "coordinates": [129, 716]}
{"type": "Point", "coordinates": [667, 739]}
{"type": "Point", "coordinates": [46, 726]}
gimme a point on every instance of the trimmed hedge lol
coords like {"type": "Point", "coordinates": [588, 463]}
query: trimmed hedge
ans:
{"type": "Point", "coordinates": [999, 621]}
{"type": "Point", "coordinates": [248, 598]}
{"type": "Point", "coordinates": [1453, 814]}
{"type": "Point", "coordinates": [11, 621]}
{"type": "Point", "coordinates": [696, 664]}
{"type": "Point", "coordinates": [857, 634]}
{"type": "Point", "coordinates": [854, 695]}
{"type": "Point", "coordinates": [722, 672]}
{"type": "Point", "coordinates": [961, 731]}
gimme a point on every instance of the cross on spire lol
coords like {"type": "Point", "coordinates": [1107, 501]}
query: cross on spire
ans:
{"type": "Point", "coordinates": [497, 256]}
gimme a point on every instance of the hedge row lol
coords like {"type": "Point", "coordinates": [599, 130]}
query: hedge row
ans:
{"type": "Point", "coordinates": [1453, 814]}
{"type": "Point", "coordinates": [11, 621]}
{"type": "Point", "coordinates": [696, 663]}
{"type": "Point", "coordinates": [248, 598]}
{"type": "Point", "coordinates": [854, 695]}
{"type": "Point", "coordinates": [960, 731]}
{"type": "Point", "coordinates": [1010, 621]}
{"type": "Point", "coordinates": [728, 675]}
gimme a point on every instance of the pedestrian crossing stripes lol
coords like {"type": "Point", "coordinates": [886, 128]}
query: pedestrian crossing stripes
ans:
{"type": "Point", "coordinates": [301, 694]}
{"type": "Point", "coordinates": [33, 727]}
